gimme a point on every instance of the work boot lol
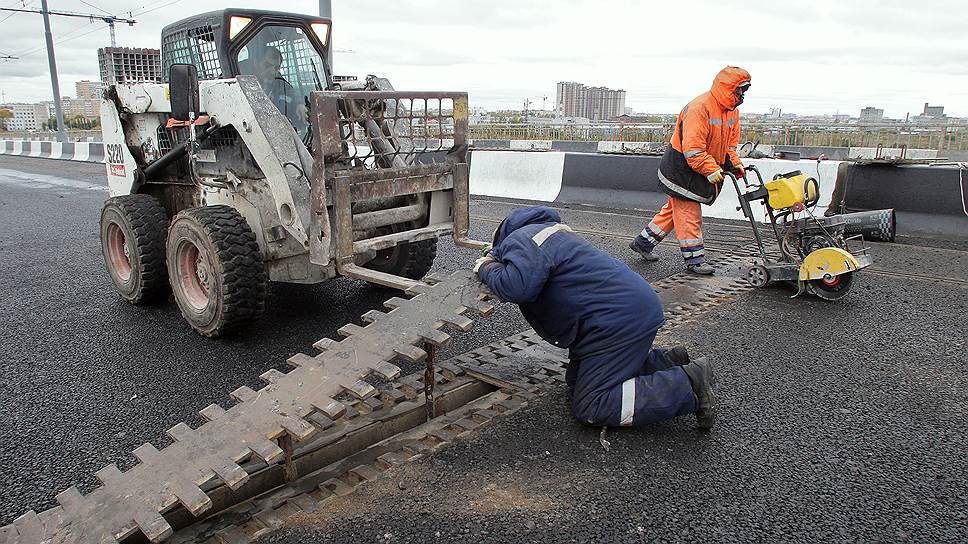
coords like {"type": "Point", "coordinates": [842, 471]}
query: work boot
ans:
{"type": "Point", "coordinates": [639, 245]}
{"type": "Point", "coordinates": [700, 374]}
{"type": "Point", "coordinates": [679, 355]}
{"type": "Point", "coordinates": [703, 269]}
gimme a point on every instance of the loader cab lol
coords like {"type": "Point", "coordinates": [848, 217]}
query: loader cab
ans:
{"type": "Point", "coordinates": [286, 52]}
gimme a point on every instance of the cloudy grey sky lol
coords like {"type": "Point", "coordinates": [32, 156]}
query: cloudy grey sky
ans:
{"type": "Point", "coordinates": [805, 57]}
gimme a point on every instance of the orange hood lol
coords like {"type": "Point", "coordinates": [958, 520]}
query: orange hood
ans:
{"type": "Point", "coordinates": [725, 84]}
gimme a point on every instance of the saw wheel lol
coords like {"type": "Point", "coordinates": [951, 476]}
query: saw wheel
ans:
{"type": "Point", "coordinates": [758, 276]}
{"type": "Point", "coordinates": [831, 289]}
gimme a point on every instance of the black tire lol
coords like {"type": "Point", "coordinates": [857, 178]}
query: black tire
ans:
{"type": "Point", "coordinates": [412, 260]}
{"type": "Point", "coordinates": [835, 289]}
{"type": "Point", "coordinates": [133, 233]}
{"type": "Point", "coordinates": [216, 269]}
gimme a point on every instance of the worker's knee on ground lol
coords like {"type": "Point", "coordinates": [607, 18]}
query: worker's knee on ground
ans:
{"type": "Point", "coordinates": [595, 409]}
{"type": "Point", "coordinates": [640, 400]}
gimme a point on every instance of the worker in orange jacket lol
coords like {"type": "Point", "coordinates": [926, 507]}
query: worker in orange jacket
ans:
{"type": "Point", "coordinates": [703, 146]}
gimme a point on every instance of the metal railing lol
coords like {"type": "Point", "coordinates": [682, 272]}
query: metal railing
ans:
{"type": "Point", "coordinates": [940, 137]}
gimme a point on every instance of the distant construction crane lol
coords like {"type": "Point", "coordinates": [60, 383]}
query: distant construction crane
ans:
{"type": "Point", "coordinates": [527, 105]}
{"type": "Point", "coordinates": [109, 19]}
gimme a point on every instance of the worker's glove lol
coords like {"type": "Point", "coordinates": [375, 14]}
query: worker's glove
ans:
{"type": "Point", "coordinates": [740, 171]}
{"type": "Point", "coordinates": [481, 262]}
{"type": "Point", "coordinates": [486, 250]}
{"type": "Point", "coordinates": [716, 177]}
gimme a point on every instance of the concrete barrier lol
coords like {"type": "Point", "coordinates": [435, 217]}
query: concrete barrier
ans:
{"type": "Point", "coordinates": [569, 146]}
{"type": "Point", "coordinates": [631, 181]}
{"type": "Point", "coordinates": [519, 175]}
{"type": "Point", "coordinates": [496, 144]}
{"type": "Point", "coordinates": [930, 201]}
{"type": "Point", "coordinates": [71, 151]}
{"type": "Point", "coordinates": [530, 144]}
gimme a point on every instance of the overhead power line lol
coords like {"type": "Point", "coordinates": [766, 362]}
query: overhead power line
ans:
{"type": "Point", "coordinates": [95, 7]}
{"type": "Point", "coordinates": [155, 8]}
{"type": "Point", "coordinates": [63, 39]}
{"type": "Point", "coordinates": [14, 13]}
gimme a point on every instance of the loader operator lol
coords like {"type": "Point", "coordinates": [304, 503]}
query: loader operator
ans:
{"type": "Point", "coordinates": [580, 298]}
{"type": "Point", "coordinates": [279, 91]}
{"type": "Point", "coordinates": [703, 146]}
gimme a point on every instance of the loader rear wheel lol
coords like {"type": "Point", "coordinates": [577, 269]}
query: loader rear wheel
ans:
{"type": "Point", "coordinates": [133, 232]}
{"type": "Point", "coordinates": [834, 288]}
{"type": "Point", "coordinates": [216, 269]}
{"type": "Point", "coordinates": [412, 260]}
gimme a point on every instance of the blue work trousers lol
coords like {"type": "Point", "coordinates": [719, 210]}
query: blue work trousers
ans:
{"type": "Point", "coordinates": [630, 386]}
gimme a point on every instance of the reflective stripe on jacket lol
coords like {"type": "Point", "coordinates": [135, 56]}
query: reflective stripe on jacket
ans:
{"type": "Point", "coordinates": [704, 140]}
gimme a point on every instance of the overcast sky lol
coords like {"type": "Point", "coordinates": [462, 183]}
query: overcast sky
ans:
{"type": "Point", "coordinates": [805, 57]}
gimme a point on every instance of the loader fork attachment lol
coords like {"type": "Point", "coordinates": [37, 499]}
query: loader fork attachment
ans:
{"type": "Point", "coordinates": [376, 146]}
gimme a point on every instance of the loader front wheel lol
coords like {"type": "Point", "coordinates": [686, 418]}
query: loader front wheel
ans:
{"type": "Point", "coordinates": [411, 260]}
{"type": "Point", "coordinates": [216, 270]}
{"type": "Point", "coordinates": [133, 231]}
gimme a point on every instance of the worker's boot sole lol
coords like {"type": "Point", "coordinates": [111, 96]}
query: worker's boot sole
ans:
{"type": "Point", "coordinates": [703, 269]}
{"type": "Point", "coordinates": [705, 393]}
{"type": "Point", "coordinates": [647, 255]}
{"type": "Point", "coordinates": [678, 356]}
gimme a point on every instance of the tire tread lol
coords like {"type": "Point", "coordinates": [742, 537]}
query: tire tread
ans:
{"type": "Point", "coordinates": [244, 279]}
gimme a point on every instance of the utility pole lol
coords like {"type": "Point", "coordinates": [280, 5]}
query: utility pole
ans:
{"type": "Point", "coordinates": [326, 10]}
{"type": "Point", "coordinates": [61, 134]}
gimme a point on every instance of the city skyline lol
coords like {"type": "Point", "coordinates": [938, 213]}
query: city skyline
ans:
{"type": "Point", "coordinates": [84, 91]}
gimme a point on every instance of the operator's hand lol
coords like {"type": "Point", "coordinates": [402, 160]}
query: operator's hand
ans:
{"type": "Point", "coordinates": [740, 171]}
{"type": "Point", "coordinates": [716, 177]}
{"type": "Point", "coordinates": [481, 262]}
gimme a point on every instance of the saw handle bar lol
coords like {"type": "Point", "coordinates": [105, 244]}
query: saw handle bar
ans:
{"type": "Point", "coordinates": [806, 192]}
{"type": "Point", "coordinates": [744, 203]}
{"type": "Point", "coordinates": [750, 168]}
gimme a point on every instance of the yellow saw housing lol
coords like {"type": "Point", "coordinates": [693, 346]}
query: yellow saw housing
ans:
{"type": "Point", "coordinates": [785, 192]}
{"type": "Point", "coordinates": [827, 262]}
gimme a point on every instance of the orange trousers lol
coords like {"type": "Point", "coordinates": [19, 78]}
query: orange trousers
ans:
{"type": "Point", "coordinates": [684, 217]}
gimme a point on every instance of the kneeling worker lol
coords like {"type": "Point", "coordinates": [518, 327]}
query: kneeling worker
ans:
{"type": "Point", "coordinates": [580, 298]}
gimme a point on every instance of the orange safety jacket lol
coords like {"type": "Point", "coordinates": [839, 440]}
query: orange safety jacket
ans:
{"type": "Point", "coordinates": [704, 140]}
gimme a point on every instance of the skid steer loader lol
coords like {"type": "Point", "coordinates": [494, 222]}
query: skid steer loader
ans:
{"type": "Point", "coordinates": [251, 164]}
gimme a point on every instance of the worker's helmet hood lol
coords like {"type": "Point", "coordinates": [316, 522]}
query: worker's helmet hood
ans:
{"type": "Point", "coordinates": [522, 217]}
{"type": "Point", "coordinates": [724, 86]}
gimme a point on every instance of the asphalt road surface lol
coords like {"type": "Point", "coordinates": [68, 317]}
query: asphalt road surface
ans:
{"type": "Point", "coordinates": [838, 422]}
